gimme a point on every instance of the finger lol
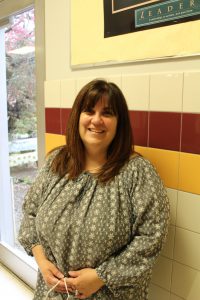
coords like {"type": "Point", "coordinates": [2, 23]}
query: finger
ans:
{"type": "Point", "coordinates": [70, 282]}
{"type": "Point", "coordinates": [56, 272]}
{"type": "Point", "coordinates": [59, 290]}
{"type": "Point", "coordinates": [74, 273]}
{"type": "Point", "coordinates": [51, 280]}
{"type": "Point", "coordinates": [61, 285]}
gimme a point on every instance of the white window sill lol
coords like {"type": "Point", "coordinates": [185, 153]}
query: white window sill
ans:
{"type": "Point", "coordinates": [13, 287]}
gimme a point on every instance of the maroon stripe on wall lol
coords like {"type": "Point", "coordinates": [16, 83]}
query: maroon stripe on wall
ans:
{"type": "Point", "coordinates": [53, 120]}
{"type": "Point", "coordinates": [139, 124]}
{"type": "Point", "coordinates": [150, 129]}
{"type": "Point", "coordinates": [165, 130]}
{"type": "Point", "coordinates": [65, 112]}
{"type": "Point", "coordinates": [190, 133]}
{"type": "Point", "coordinates": [56, 120]}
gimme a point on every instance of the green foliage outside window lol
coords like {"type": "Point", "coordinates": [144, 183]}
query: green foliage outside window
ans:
{"type": "Point", "coordinates": [20, 69]}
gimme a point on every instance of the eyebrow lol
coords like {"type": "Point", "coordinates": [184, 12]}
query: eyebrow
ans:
{"type": "Point", "coordinates": [108, 108]}
{"type": "Point", "coordinates": [104, 108]}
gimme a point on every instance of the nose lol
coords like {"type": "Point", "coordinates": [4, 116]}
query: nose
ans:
{"type": "Point", "coordinates": [96, 119]}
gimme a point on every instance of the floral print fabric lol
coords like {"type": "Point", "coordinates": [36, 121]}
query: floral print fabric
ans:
{"type": "Point", "coordinates": [118, 228]}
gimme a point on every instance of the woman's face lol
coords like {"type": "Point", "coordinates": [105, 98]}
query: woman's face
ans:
{"type": "Point", "coordinates": [97, 127]}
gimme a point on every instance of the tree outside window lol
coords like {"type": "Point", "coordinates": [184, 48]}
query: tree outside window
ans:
{"type": "Point", "coordinates": [21, 108]}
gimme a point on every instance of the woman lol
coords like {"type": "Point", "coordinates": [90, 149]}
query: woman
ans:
{"type": "Point", "coordinates": [97, 213]}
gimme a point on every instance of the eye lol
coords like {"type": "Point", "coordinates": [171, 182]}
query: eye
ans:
{"type": "Point", "coordinates": [108, 113]}
{"type": "Point", "coordinates": [88, 112]}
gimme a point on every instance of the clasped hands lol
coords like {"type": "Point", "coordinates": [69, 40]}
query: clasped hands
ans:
{"type": "Point", "coordinates": [85, 281]}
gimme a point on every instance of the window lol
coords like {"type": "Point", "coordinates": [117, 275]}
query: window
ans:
{"type": "Point", "coordinates": [18, 131]}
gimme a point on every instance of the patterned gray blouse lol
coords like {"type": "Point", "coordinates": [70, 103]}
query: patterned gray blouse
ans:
{"type": "Point", "coordinates": [117, 228]}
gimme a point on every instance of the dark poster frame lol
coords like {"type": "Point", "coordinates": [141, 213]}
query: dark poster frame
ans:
{"type": "Point", "coordinates": [122, 21]}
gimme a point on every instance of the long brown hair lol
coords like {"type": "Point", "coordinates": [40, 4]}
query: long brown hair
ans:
{"type": "Point", "coordinates": [71, 157]}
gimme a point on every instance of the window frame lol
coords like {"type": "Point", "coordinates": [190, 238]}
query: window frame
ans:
{"type": "Point", "coordinates": [23, 266]}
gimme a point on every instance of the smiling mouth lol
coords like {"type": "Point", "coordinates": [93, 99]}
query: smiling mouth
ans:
{"type": "Point", "coordinates": [96, 131]}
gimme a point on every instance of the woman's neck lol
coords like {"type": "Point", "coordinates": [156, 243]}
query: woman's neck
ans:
{"type": "Point", "coordinates": [94, 161]}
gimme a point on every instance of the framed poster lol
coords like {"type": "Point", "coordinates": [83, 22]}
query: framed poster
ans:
{"type": "Point", "coordinates": [128, 16]}
{"type": "Point", "coordinates": [97, 41]}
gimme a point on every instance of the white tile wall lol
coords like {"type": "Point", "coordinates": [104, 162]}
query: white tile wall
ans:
{"type": "Point", "coordinates": [168, 249]}
{"type": "Point", "coordinates": [188, 211]}
{"type": "Point", "coordinates": [166, 92]}
{"type": "Point", "coordinates": [117, 79]}
{"type": "Point", "coordinates": [158, 293]}
{"type": "Point", "coordinates": [83, 81]}
{"type": "Point", "coordinates": [174, 297]}
{"type": "Point", "coordinates": [191, 92]}
{"type": "Point", "coordinates": [173, 196]}
{"type": "Point", "coordinates": [136, 91]}
{"type": "Point", "coordinates": [163, 266]}
{"type": "Point", "coordinates": [187, 248]}
{"type": "Point", "coordinates": [52, 92]}
{"type": "Point", "coordinates": [68, 92]}
{"type": "Point", "coordinates": [185, 282]}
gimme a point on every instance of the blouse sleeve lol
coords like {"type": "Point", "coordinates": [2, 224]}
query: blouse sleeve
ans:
{"type": "Point", "coordinates": [133, 265]}
{"type": "Point", "coordinates": [27, 233]}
